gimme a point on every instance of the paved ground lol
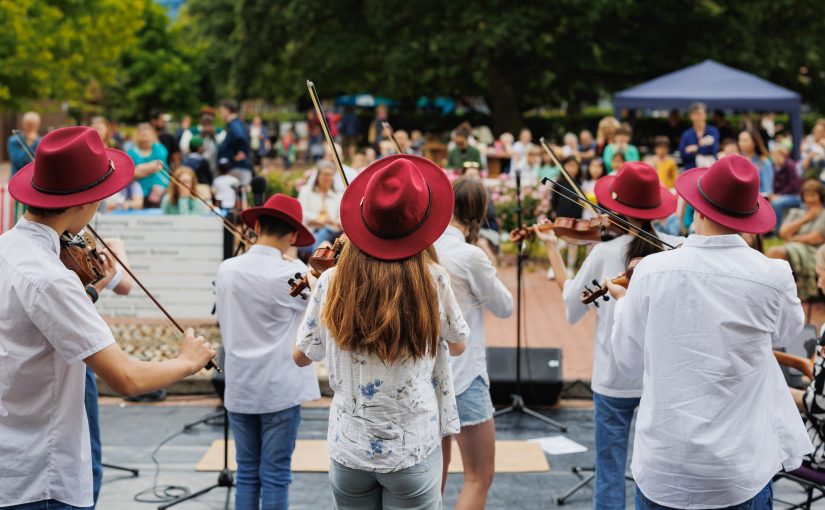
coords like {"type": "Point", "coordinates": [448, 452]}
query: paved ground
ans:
{"type": "Point", "coordinates": [131, 433]}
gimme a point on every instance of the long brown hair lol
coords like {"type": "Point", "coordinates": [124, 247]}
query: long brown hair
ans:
{"type": "Point", "coordinates": [389, 309]}
{"type": "Point", "coordinates": [470, 207]}
{"type": "Point", "coordinates": [174, 189]}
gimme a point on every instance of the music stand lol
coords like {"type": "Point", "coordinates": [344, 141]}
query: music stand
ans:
{"type": "Point", "coordinates": [517, 403]}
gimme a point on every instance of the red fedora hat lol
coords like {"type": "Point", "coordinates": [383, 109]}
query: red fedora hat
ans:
{"type": "Point", "coordinates": [397, 206]}
{"type": "Point", "coordinates": [284, 208]}
{"type": "Point", "coordinates": [728, 193]}
{"type": "Point", "coordinates": [71, 167]}
{"type": "Point", "coordinates": [635, 191]}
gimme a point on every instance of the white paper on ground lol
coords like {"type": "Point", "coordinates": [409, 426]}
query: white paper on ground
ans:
{"type": "Point", "coordinates": [558, 445]}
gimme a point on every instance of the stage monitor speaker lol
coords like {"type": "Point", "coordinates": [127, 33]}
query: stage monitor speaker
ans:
{"type": "Point", "coordinates": [541, 376]}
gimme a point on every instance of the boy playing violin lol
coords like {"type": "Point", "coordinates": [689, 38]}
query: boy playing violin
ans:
{"type": "Point", "coordinates": [48, 325]}
{"type": "Point", "coordinates": [716, 421]}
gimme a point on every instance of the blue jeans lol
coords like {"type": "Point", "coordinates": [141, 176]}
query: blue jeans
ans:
{"type": "Point", "coordinates": [263, 450]}
{"type": "Point", "coordinates": [782, 203]}
{"type": "Point", "coordinates": [613, 416]}
{"type": "Point", "coordinates": [762, 501]}
{"type": "Point", "coordinates": [51, 504]}
{"type": "Point", "coordinates": [92, 415]}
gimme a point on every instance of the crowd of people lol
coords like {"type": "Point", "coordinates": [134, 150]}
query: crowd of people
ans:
{"type": "Point", "coordinates": [399, 319]}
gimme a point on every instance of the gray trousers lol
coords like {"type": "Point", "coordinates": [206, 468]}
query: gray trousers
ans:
{"type": "Point", "coordinates": [417, 487]}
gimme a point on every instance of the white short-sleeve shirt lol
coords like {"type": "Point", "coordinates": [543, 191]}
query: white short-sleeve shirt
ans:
{"type": "Point", "coordinates": [48, 326]}
{"type": "Point", "coordinates": [386, 418]}
{"type": "Point", "coordinates": [259, 321]}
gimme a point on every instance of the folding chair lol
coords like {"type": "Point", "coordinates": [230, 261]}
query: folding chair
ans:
{"type": "Point", "coordinates": [811, 480]}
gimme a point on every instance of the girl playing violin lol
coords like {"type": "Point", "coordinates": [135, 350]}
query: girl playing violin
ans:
{"type": "Point", "coordinates": [386, 320]}
{"type": "Point", "coordinates": [635, 193]}
{"type": "Point", "coordinates": [476, 286]}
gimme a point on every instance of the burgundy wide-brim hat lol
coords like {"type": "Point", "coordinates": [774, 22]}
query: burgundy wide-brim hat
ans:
{"type": "Point", "coordinates": [728, 193]}
{"type": "Point", "coordinates": [397, 207]}
{"type": "Point", "coordinates": [635, 191]}
{"type": "Point", "coordinates": [71, 167]}
{"type": "Point", "coordinates": [284, 208]}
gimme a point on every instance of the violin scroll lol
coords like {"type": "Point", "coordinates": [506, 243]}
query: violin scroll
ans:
{"type": "Point", "coordinates": [601, 291]}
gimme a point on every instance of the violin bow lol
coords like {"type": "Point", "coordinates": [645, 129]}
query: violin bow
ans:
{"type": "Point", "coordinates": [615, 219]}
{"type": "Point", "coordinates": [313, 94]}
{"type": "Point", "coordinates": [211, 363]}
{"type": "Point", "coordinates": [387, 127]}
{"type": "Point", "coordinates": [228, 225]}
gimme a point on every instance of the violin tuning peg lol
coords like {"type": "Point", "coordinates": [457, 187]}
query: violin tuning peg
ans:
{"type": "Point", "coordinates": [606, 297]}
{"type": "Point", "coordinates": [291, 281]}
{"type": "Point", "coordinates": [596, 304]}
{"type": "Point", "coordinates": [297, 276]}
{"type": "Point", "coordinates": [596, 282]}
{"type": "Point", "coordinates": [304, 296]}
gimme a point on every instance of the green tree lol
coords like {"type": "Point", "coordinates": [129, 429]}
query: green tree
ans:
{"type": "Point", "coordinates": [59, 49]}
{"type": "Point", "coordinates": [155, 72]}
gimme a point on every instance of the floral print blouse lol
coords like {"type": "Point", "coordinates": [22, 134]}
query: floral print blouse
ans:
{"type": "Point", "coordinates": [386, 418]}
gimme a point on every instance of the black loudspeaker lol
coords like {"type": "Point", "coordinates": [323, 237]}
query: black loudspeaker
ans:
{"type": "Point", "coordinates": [541, 376]}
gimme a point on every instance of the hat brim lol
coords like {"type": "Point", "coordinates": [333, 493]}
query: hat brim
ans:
{"type": "Point", "coordinates": [441, 210]}
{"type": "Point", "coordinates": [250, 217]}
{"type": "Point", "coordinates": [604, 194]}
{"type": "Point", "coordinates": [20, 185]}
{"type": "Point", "coordinates": [760, 222]}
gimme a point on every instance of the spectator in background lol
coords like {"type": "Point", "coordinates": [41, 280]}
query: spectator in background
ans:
{"type": "Point", "coordinates": [417, 141]}
{"type": "Point", "coordinates": [197, 162]}
{"type": "Point", "coordinates": [235, 147]}
{"type": "Point", "coordinates": [179, 197]}
{"type": "Point", "coordinates": [463, 152]}
{"type": "Point", "coordinates": [803, 232]}
{"type": "Point", "coordinates": [157, 119]}
{"type": "Point", "coordinates": [699, 143]}
{"type": "Point", "coordinates": [350, 129]}
{"type": "Point", "coordinates": [750, 148]}
{"type": "Point", "coordinates": [587, 147]}
{"type": "Point", "coordinates": [376, 130]}
{"type": "Point", "coordinates": [519, 150]}
{"type": "Point", "coordinates": [258, 139]}
{"type": "Point", "coordinates": [530, 170]}
{"type": "Point", "coordinates": [225, 186]}
{"type": "Point", "coordinates": [594, 172]}
{"type": "Point", "coordinates": [606, 134]}
{"type": "Point", "coordinates": [211, 136]}
{"type": "Point", "coordinates": [287, 149]}
{"type": "Point", "coordinates": [665, 165]}
{"type": "Point", "coordinates": [321, 203]}
{"type": "Point", "coordinates": [404, 142]}
{"type": "Point", "coordinates": [722, 124]}
{"type": "Point", "coordinates": [150, 159]}
{"type": "Point", "coordinates": [729, 146]}
{"type": "Point", "coordinates": [616, 161]}
{"type": "Point", "coordinates": [19, 146]}
{"type": "Point", "coordinates": [787, 184]}
{"type": "Point", "coordinates": [101, 125]}
{"type": "Point", "coordinates": [315, 142]}
{"type": "Point", "coordinates": [621, 146]}
{"type": "Point", "coordinates": [548, 169]}
{"type": "Point", "coordinates": [813, 150]}
{"type": "Point", "coordinates": [571, 145]}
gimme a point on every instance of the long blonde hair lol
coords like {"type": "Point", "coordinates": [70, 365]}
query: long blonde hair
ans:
{"type": "Point", "coordinates": [389, 309]}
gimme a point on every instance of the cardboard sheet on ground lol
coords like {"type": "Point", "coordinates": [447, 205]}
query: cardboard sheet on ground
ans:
{"type": "Point", "coordinates": [558, 445]}
{"type": "Point", "coordinates": [312, 456]}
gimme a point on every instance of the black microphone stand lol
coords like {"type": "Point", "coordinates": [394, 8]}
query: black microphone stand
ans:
{"type": "Point", "coordinates": [517, 402]}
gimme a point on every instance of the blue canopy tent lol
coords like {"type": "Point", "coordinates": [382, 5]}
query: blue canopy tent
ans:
{"type": "Point", "coordinates": [718, 86]}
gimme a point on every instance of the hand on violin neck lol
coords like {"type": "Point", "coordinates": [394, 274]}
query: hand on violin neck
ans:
{"type": "Point", "coordinates": [109, 270]}
{"type": "Point", "coordinates": [616, 291]}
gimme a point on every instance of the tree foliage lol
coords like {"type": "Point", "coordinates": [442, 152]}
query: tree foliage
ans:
{"type": "Point", "coordinates": [58, 49]}
{"type": "Point", "coordinates": [515, 54]}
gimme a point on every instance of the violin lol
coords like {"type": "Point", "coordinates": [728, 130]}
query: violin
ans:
{"type": "Point", "coordinates": [321, 260]}
{"type": "Point", "coordinates": [79, 254]}
{"type": "Point", "coordinates": [585, 230]}
{"type": "Point", "coordinates": [601, 291]}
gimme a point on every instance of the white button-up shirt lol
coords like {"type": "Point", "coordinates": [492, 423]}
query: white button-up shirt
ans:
{"type": "Point", "coordinates": [259, 321]}
{"type": "Point", "coordinates": [606, 260]}
{"type": "Point", "coordinates": [476, 286]}
{"type": "Point", "coordinates": [48, 326]}
{"type": "Point", "coordinates": [716, 419]}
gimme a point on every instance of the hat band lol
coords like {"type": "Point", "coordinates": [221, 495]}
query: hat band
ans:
{"type": "Point", "coordinates": [615, 196]}
{"type": "Point", "coordinates": [406, 232]}
{"type": "Point", "coordinates": [732, 212]}
{"type": "Point", "coordinates": [76, 190]}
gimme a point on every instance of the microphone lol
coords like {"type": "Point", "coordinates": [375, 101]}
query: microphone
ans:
{"type": "Point", "coordinates": [258, 190]}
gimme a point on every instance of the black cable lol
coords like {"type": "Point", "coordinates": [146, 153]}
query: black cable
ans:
{"type": "Point", "coordinates": [162, 493]}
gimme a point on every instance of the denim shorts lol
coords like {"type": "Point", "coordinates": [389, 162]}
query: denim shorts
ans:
{"type": "Point", "coordinates": [475, 405]}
